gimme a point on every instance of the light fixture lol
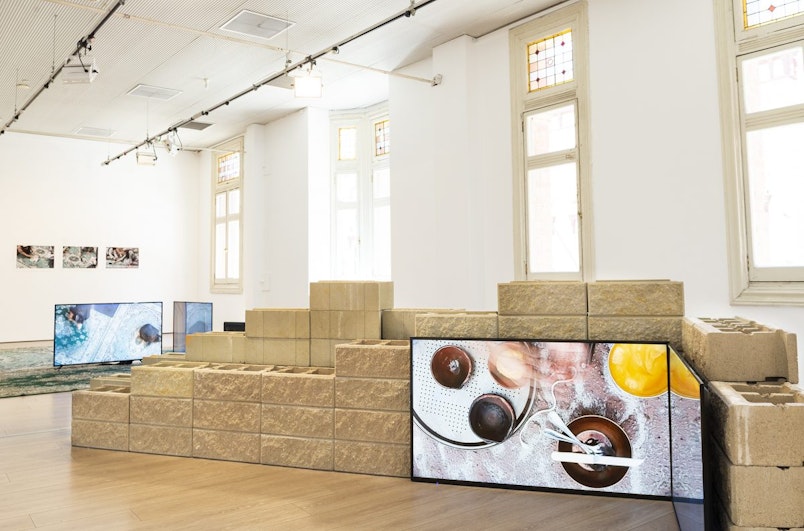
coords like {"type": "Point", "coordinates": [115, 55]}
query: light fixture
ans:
{"type": "Point", "coordinates": [307, 81]}
{"type": "Point", "coordinates": [147, 158]}
{"type": "Point", "coordinates": [80, 68]}
{"type": "Point", "coordinates": [173, 142]}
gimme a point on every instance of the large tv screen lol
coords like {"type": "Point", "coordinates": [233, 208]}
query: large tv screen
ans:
{"type": "Point", "coordinates": [190, 318]}
{"type": "Point", "coordinates": [106, 332]}
{"type": "Point", "coordinates": [578, 416]}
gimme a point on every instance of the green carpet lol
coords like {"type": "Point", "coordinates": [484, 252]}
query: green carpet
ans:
{"type": "Point", "coordinates": [30, 371]}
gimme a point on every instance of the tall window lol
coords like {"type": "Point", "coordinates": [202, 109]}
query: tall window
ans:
{"type": "Point", "coordinates": [227, 223]}
{"type": "Point", "coordinates": [361, 197]}
{"type": "Point", "coordinates": [548, 58]}
{"type": "Point", "coordinates": [761, 56]}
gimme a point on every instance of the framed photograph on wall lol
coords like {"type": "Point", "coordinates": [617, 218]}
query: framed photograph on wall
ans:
{"type": "Point", "coordinates": [79, 257]}
{"type": "Point", "coordinates": [122, 257]}
{"type": "Point", "coordinates": [35, 256]}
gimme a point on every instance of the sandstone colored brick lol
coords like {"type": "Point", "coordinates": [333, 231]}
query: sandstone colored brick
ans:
{"type": "Point", "coordinates": [298, 389]}
{"type": "Point", "coordinates": [319, 324]}
{"type": "Point", "coordinates": [226, 415]}
{"type": "Point", "coordinates": [636, 298]}
{"type": "Point", "coordinates": [97, 434]}
{"type": "Point", "coordinates": [347, 324]}
{"type": "Point", "coordinates": [541, 298]}
{"type": "Point", "coordinates": [302, 353]}
{"type": "Point", "coordinates": [365, 393]}
{"type": "Point", "coordinates": [296, 452]}
{"type": "Point", "coordinates": [162, 440]}
{"type": "Point", "coordinates": [372, 458]}
{"type": "Point", "coordinates": [162, 381]}
{"type": "Point", "coordinates": [322, 351]}
{"type": "Point", "coordinates": [254, 351]}
{"type": "Point", "coordinates": [372, 426]}
{"type": "Point", "coordinates": [226, 445]}
{"type": "Point", "coordinates": [214, 384]}
{"type": "Point", "coordinates": [176, 412]}
{"type": "Point", "coordinates": [347, 295]}
{"type": "Point", "coordinates": [254, 323]}
{"type": "Point", "coordinates": [319, 296]}
{"type": "Point", "coordinates": [101, 406]}
{"type": "Point", "coordinates": [758, 424]}
{"type": "Point", "coordinates": [279, 351]}
{"type": "Point", "coordinates": [372, 325]}
{"type": "Point", "coordinates": [297, 421]}
{"type": "Point", "coordinates": [665, 329]}
{"type": "Point", "coordinates": [543, 327]}
{"type": "Point", "coordinates": [378, 296]}
{"type": "Point", "coordinates": [194, 347]}
{"type": "Point", "coordinates": [458, 325]}
{"type": "Point", "coordinates": [373, 359]}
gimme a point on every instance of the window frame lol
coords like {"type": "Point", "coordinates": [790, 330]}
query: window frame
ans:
{"type": "Point", "coordinates": [228, 284]}
{"type": "Point", "coordinates": [576, 91]}
{"type": "Point", "coordinates": [734, 43]}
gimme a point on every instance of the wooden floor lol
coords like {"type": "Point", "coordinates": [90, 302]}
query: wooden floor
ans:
{"type": "Point", "coordinates": [47, 484]}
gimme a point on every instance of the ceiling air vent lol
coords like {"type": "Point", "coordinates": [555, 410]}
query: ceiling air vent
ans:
{"type": "Point", "coordinates": [94, 131]}
{"type": "Point", "coordinates": [256, 25]}
{"type": "Point", "coordinates": [157, 93]}
{"type": "Point", "coordinates": [196, 126]}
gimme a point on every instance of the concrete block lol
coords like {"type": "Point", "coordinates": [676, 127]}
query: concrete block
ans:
{"type": "Point", "coordinates": [296, 452]}
{"type": "Point", "coordinates": [400, 323]}
{"type": "Point", "coordinates": [194, 347]}
{"type": "Point", "coordinates": [347, 295]}
{"type": "Point", "coordinates": [372, 458]}
{"type": "Point", "coordinates": [302, 324]}
{"type": "Point", "coordinates": [153, 380]}
{"type": "Point", "coordinates": [295, 421]}
{"type": "Point", "coordinates": [368, 393]}
{"type": "Point", "coordinates": [298, 389]}
{"type": "Point", "coordinates": [760, 496]}
{"type": "Point", "coordinates": [254, 322]}
{"type": "Point", "coordinates": [347, 324]}
{"type": "Point", "coordinates": [372, 325]}
{"type": "Point", "coordinates": [279, 351]}
{"type": "Point", "coordinates": [120, 381]}
{"type": "Point", "coordinates": [176, 412]}
{"type": "Point", "coordinates": [254, 350]}
{"type": "Point", "coordinates": [302, 353]}
{"type": "Point", "coordinates": [758, 424]}
{"type": "Point", "coordinates": [541, 298]}
{"type": "Point", "coordinates": [226, 445]}
{"type": "Point", "coordinates": [319, 296]}
{"type": "Point", "coordinates": [162, 440]}
{"type": "Point", "coordinates": [322, 351]}
{"type": "Point", "coordinates": [739, 350]}
{"type": "Point", "coordinates": [636, 298]}
{"type": "Point", "coordinates": [101, 406]}
{"type": "Point", "coordinates": [213, 384]}
{"type": "Point", "coordinates": [543, 327]}
{"type": "Point", "coordinates": [378, 296]}
{"type": "Point", "coordinates": [218, 346]}
{"type": "Point", "coordinates": [722, 522]}
{"type": "Point", "coordinates": [665, 329]}
{"type": "Point", "coordinates": [99, 434]}
{"type": "Point", "coordinates": [282, 323]}
{"type": "Point", "coordinates": [226, 415]}
{"type": "Point", "coordinates": [372, 426]}
{"type": "Point", "coordinates": [373, 359]}
{"type": "Point", "coordinates": [320, 324]}
{"type": "Point", "coordinates": [166, 356]}
{"type": "Point", "coordinates": [473, 325]}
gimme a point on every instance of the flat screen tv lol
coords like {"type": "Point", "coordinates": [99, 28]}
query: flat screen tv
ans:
{"type": "Point", "coordinates": [190, 318]}
{"type": "Point", "coordinates": [582, 416]}
{"type": "Point", "coordinates": [106, 332]}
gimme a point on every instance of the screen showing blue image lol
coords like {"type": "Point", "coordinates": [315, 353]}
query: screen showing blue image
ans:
{"type": "Point", "coordinates": [106, 332]}
{"type": "Point", "coordinates": [190, 318]}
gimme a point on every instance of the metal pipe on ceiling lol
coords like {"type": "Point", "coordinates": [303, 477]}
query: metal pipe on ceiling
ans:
{"type": "Point", "coordinates": [407, 13]}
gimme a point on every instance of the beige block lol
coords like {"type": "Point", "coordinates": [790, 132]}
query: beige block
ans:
{"type": "Point", "coordinates": [758, 424]}
{"type": "Point", "coordinates": [226, 415]}
{"type": "Point", "coordinates": [226, 445]}
{"type": "Point", "coordinates": [162, 381]}
{"type": "Point", "coordinates": [541, 298]}
{"type": "Point", "coordinates": [254, 350]}
{"type": "Point", "coordinates": [319, 296]}
{"type": "Point", "coordinates": [162, 440]}
{"type": "Point", "coordinates": [119, 381]}
{"type": "Point", "coordinates": [239, 343]}
{"type": "Point", "coordinates": [739, 350]}
{"type": "Point", "coordinates": [666, 329]}
{"type": "Point", "coordinates": [459, 325]}
{"type": "Point", "coordinates": [378, 296]}
{"type": "Point", "coordinates": [302, 353]}
{"type": "Point", "coordinates": [302, 324]}
{"type": "Point", "coordinates": [400, 323]}
{"type": "Point", "coordinates": [722, 522]}
{"type": "Point", "coordinates": [347, 324]}
{"type": "Point", "coordinates": [254, 321]}
{"type": "Point", "coordinates": [279, 352]}
{"type": "Point", "coordinates": [194, 347]}
{"type": "Point", "coordinates": [296, 452]}
{"type": "Point", "coordinates": [97, 434]}
{"type": "Point", "coordinates": [177, 412]}
{"type": "Point", "coordinates": [373, 359]}
{"type": "Point", "coordinates": [322, 351]}
{"type": "Point", "coordinates": [347, 295]}
{"type": "Point", "coordinates": [218, 347]}
{"type": "Point", "coordinates": [280, 323]}
{"type": "Point", "coordinates": [319, 324]}
{"type": "Point", "coordinates": [372, 458]}
{"type": "Point", "coordinates": [102, 406]}
{"type": "Point", "coordinates": [759, 495]}
{"type": "Point", "coordinates": [636, 298]}
{"type": "Point", "coordinates": [372, 426]}
{"type": "Point", "coordinates": [297, 421]}
{"type": "Point", "coordinates": [367, 393]}
{"type": "Point", "coordinates": [167, 356]}
{"type": "Point", "coordinates": [372, 325]}
{"type": "Point", "coordinates": [215, 384]}
{"type": "Point", "coordinates": [298, 389]}
{"type": "Point", "coordinates": [543, 327]}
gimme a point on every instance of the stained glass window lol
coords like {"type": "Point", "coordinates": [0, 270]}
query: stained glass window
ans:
{"type": "Point", "coordinates": [382, 138]}
{"type": "Point", "coordinates": [228, 167]}
{"type": "Point", "coordinates": [758, 12]}
{"type": "Point", "coordinates": [550, 61]}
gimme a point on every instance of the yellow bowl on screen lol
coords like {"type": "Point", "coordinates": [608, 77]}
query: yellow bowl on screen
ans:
{"type": "Point", "coordinates": [682, 382]}
{"type": "Point", "coordinates": [639, 369]}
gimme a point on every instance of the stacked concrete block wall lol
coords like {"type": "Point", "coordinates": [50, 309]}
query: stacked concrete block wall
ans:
{"type": "Point", "coordinates": [277, 336]}
{"type": "Point", "coordinates": [100, 418]}
{"type": "Point", "coordinates": [469, 325]}
{"type": "Point", "coordinates": [738, 350]}
{"type": "Point", "coordinates": [543, 310]}
{"type": "Point", "coordinates": [341, 312]}
{"type": "Point", "coordinates": [372, 408]}
{"type": "Point", "coordinates": [636, 311]}
{"type": "Point", "coordinates": [758, 457]}
{"type": "Point", "coordinates": [400, 323]}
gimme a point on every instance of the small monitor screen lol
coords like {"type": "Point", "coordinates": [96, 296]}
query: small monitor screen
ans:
{"type": "Point", "coordinates": [190, 318]}
{"type": "Point", "coordinates": [106, 332]}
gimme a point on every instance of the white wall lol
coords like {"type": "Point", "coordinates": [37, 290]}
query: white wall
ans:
{"type": "Point", "coordinates": [56, 192]}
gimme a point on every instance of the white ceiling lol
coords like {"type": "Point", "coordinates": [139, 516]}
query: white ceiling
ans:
{"type": "Point", "coordinates": [179, 45]}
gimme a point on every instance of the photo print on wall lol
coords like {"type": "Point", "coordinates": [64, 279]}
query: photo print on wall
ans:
{"type": "Point", "coordinates": [122, 257]}
{"type": "Point", "coordinates": [35, 256]}
{"type": "Point", "coordinates": [79, 257]}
